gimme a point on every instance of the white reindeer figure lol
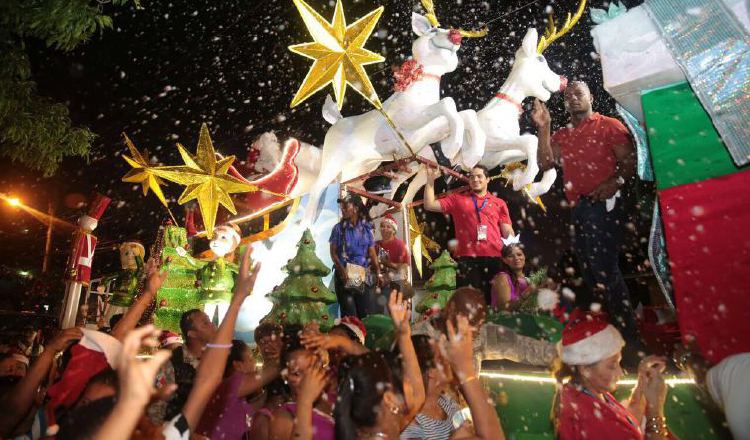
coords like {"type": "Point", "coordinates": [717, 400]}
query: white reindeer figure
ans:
{"type": "Point", "coordinates": [357, 145]}
{"type": "Point", "coordinates": [498, 120]}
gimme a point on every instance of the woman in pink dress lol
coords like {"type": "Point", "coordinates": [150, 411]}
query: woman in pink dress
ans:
{"type": "Point", "coordinates": [510, 284]}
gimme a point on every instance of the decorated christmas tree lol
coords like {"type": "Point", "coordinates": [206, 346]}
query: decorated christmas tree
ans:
{"type": "Point", "coordinates": [179, 292]}
{"type": "Point", "coordinates": [441, 284]}
{"type": "Point", "coordinates": [302, 297]}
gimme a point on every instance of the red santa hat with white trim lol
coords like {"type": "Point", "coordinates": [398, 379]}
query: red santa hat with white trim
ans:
{"type": "Point", "coordinates": [589, 338]}
{"type": "Point", "coordinates": [355, 325]}
{"type": "Point", "coordinates": [389, 220]}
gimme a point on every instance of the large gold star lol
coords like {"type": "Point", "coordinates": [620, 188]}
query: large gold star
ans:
{"type": "Point", "coordinates": [142, 172]}
{"type": "Point", "coordinates": [338, 53]}
{"type": "Point", "coordinates": [420, 243]}
{"type": "Point", "coordinates": [206, 180]}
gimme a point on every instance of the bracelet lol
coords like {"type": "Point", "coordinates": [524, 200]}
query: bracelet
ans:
{"type": "Point", "coordinates": [218, 345]}
{"type": "Point", "coordinates": [469, 379]}
{"type": "Point", "coordinates": [656, 425]}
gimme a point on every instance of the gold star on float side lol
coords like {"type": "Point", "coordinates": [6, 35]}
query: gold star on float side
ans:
{"type": "Point", "coordinates": [420, 243]}
{"type": "Point", "coordinates": [206, 180]}
{"type": "Point", "coordinates": [142, 172]}
{"type": "Point", "coordinates": [338, 53]}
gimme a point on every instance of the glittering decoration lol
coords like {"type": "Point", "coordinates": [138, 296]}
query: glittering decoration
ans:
{"type": "Point", "coordinates": [206, 180]}
{"type": "Point", "coordinates": [645, 169]}
{"type": "Point", "coordinates": [406, 74]}
{"type": "Point", "coordinates": [142, 172]}
{"type": "Point", "coordinates": [599, 16]}
{"type": "Point", "coordinates": [713, 49]}
{"type": "Point", "coordinates": [338, 53]}
{"type": "Point", "coordinates": [420, 243]}
{"type": "Point", "coordinates": [551, 34]}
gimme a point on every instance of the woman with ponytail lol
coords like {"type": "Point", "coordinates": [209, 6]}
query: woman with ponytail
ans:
{"type": "Point", "coordinates": [373, 403]}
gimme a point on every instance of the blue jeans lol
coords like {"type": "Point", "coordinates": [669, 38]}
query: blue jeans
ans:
{"type": "Point", "coordinates": [598, 238]}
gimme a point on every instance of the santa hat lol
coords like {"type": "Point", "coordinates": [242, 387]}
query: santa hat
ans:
{"type": "Point", "coordinates": [168, 338]}
{"type": "Point", "coordinates": [389, 220]}
{"type": "Point", "coordinates": [95, 352]}
{"type": "Point", "coordinates": [355, 325]}
{"type": "Point", "coordinates": [589, 338]}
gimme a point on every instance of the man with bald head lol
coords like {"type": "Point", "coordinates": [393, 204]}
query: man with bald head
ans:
{"type": "Point", "coordinates": [597, 158]}
{"type": "Point", "coordinates": [491, 341]}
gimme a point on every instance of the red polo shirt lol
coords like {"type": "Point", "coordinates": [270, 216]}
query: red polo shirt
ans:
{"type": "Point", "coordinates": [461, 208]}
{"type": "Point", "coordinates": [587, 153]}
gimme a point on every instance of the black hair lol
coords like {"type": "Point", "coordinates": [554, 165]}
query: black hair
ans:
{"type": "Point", "coordinates": [363, 381]}
{"type": "Point", "coordinates": [266, 329]}
{"type": "Point", "coordinates": [7, 383]}
{"type": "Point", "coordinates": [291, 342]}
{"type": "Point", "coordinates": [425, 356]}
{"type": "Point", "coordinates": [506, 252]}
{"type": "Point", "coordinates": [235, 354]}
{"type": "Point", "coordinates": [186, 322]}
{"type": "Point", "coordinates": [84, 422]}
{"type": "Point", "coordinates": [277, 387]}
{"type": "Point", "coordinates": [483, 168]}
{"type": "Point", "coordinates": [114, 320]}
{"type": "Point", "coordinates": [362, 211]}
{"type": "Point", "coordinates": [107, 376]}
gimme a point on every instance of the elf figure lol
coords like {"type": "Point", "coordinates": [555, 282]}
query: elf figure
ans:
{"type": "Point", "coordinates": [216, 278]}
{"type": "Point", "coordinates": [125, 285]}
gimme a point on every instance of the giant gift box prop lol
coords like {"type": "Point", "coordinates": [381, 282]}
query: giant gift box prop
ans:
{"type": "Point", "coordinates": [634, 56]}
{"type": "Point", "coordinates": [685, 147]}
{"type": "Point", "coordinates": [709, 251]}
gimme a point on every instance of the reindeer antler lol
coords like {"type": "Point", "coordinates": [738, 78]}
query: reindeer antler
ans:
{"type": "Point", "coordinates": [474, 33]}
{"type": "Point", "coordinates": [430, 8]}
{"type": "Point", "coordinates": [551, 33]}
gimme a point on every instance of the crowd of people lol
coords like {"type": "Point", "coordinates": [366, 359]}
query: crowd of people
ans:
{"type": "Point", "coordinates": [134, 381]}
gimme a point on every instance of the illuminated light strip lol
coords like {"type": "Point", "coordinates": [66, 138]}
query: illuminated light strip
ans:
{"type": "Point", "coordinates": [672, 381]}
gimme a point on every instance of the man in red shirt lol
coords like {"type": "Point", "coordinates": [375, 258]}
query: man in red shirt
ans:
{"type": "Point", "coordinates": [480, 220]}
{"type": "Point", "coordinates": [597, 158]}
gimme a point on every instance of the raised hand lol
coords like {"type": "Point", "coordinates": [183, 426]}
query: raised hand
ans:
{"type": "Point", "coordinates": [65, 339]}
{"type": "Point", "coordinates": [399, 309]}
{"type": "Point", "coordinates": [246, 277]}
{"type": "Point", "coordinates": [540, 114]}
{"type": "Point", "coordinates": [432, 173]}
{"type": "Point", "coordinates": [313, 382]}
{"type": "Point", "coordinates": [137, 376]}
{"type": "Point", "coordinates": [459, 348]}
{"type": "Point", "coordinates": [155, 276]}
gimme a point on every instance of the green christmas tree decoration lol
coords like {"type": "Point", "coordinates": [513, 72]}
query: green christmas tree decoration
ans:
{"type": "Point", "coordinates": [529, 304]}
{"type": "Point", "coordinates": [302, 297]}
{"type": "Point", "coordinates": [179, 292]}
{"type": "Point", "coordinates": [441, 284]}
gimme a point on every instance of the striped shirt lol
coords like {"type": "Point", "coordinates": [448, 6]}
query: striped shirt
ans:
{"type": "Point", "coordinates": [425, 427]}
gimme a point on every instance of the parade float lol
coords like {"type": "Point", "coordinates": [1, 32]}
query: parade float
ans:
{"type": "Point", "coordinates": [697, 163]}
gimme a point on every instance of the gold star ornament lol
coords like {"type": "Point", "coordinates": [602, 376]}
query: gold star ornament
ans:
{"type": "Point", "coordinates": [421, 244]}
{"type": "Point", "coordinates": [338, 54]}
{"type": "Point", "coordinates": [142, 172]}
{"type": "Point", "coordinates": [206, 180]}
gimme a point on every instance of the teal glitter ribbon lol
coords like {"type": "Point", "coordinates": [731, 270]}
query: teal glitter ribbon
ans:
{"type": "Point", "coordinates": [713, 49]}
{"type": "Point", "coordinates": [645, 170]}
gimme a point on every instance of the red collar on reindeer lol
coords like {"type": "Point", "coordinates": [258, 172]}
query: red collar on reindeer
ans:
{"type": "Point", "coordinates": [408, 73]}
{"type": "Point", "coordinates": [503, 97]}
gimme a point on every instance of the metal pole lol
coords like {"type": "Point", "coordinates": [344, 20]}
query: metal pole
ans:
{"type": "Point", "coordinates": [48, 244]}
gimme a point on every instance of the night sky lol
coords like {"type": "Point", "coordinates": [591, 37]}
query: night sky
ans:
{"type": "Point", "coordinates": [165, 69]}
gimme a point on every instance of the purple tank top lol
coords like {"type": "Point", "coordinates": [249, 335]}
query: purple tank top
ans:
{"type": "Point", "coordinates": [515, 292]}
{"type": "Point", "coordinates": [323, 424]}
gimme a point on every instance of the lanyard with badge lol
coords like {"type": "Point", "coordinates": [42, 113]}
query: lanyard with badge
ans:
{"type": "Point", "coordinates": [481, 228]}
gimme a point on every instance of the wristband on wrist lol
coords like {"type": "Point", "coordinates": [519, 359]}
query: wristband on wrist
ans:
{"type": "Point", "coordinates": [656, 425]}
{"type": "Point", "coordinates": [469, 379]}
{"type": "Point", "coordinates": [226, 346]}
